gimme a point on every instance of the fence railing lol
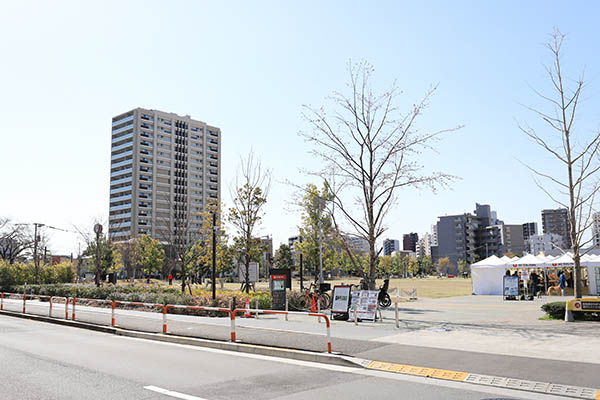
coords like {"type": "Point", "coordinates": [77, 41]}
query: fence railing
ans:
{"type": "Point", "coordinates": [164, 309]}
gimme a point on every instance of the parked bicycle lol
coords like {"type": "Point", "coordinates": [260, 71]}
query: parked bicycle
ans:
{"type": "Point", "coordinates": [322, 298]}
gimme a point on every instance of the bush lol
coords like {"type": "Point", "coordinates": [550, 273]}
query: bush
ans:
{"type": "Point", "coordinates": [20, 274]}
{"type": "Point", "coordinates": [556, 310]}
{"type": "Point", "coordinates": [151, 294]}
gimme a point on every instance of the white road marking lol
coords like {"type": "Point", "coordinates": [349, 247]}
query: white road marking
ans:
{"type": "Point", "coordinates": [171, 393]}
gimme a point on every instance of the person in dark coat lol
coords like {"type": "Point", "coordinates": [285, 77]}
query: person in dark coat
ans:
{"type": "Point", "coordinates": [534, 282]}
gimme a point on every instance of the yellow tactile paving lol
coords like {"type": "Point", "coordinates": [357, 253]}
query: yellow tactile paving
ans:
{"type": "Point", "coordinates": [598, 395]}
{"type": "Point", "coordinates": [420, 371]}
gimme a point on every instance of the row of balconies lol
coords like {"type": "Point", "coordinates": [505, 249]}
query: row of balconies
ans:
{"type": "Point", "coordinates": [123, 120]}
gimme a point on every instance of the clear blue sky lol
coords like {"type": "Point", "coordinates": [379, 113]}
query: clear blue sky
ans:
{"type": "Point", "coordinates": [67, 67]}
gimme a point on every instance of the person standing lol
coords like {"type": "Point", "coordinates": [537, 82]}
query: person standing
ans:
{"type": "Point", "coordinates": [534, 282]}
{"type": "Point", "coordinates": [562, 282]}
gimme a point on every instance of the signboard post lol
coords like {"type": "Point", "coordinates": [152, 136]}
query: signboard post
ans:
{"type": "Point", "coordinates": [340, 302]}
{"type": "Point", "coordinates": [511, 287]}
{"type": "Point", "coordinates": [365, 304]}
{"type": "Point", "coordinates": [278, 286]}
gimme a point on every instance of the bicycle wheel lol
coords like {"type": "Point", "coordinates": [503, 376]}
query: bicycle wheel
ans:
{"type": "Point", "coordinates": [324, 299]}
{"type": "Point", "coordinates": [386, 301]}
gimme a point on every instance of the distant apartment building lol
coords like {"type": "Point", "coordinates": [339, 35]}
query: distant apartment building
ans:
{"type": "Point", "coordinates": [596, 230]}
{"type": "Point", "coordinates": [357, 244]}
{"type": "Point", "coordinates": [529, 229]}
{"type": "Point", "coordinates": [545, 243]}
{"type": "Point", "coordinates": [557, 222]}
{"type": "Point", "coordinates": [424, 246]}
{"type": "Point", "coordinates": [389, 246]}
{"type": "Point", "coordinates": [409, 242]}
{"type": "Point", "coordinates": [164, 169]}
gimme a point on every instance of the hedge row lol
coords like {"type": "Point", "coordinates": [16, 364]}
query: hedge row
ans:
{"type": "Point", "coordinates": [20, 274]}
{"type": "Point", "coordinates": [149, 294]}
{"type": "Point", "coordinates": [556, 310]}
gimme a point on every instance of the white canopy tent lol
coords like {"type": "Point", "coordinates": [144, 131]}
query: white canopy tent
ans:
{"type": "Point", "coordinates": [487, 275]}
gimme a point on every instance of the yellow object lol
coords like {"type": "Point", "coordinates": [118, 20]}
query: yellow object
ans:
{"type": "Point", "coordinates": [419, 371]}
{"type": "Point", "coordinates": [588, 304]}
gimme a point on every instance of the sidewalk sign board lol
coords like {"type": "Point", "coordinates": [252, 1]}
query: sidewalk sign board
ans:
{"type": "Point", "coordinates": [366, 304]}
{"type": "Point", "coordinates": [340, 302]}
{"type": "Point", "coordinates": [511, 287]}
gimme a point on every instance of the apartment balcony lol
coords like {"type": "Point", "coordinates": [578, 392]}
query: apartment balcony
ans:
{"type": "Point", "coordinates": [120, 216]}
{"type": "Point", "coordinates": [120, 225]}
{"type": "Point", "coordinates": [122, 180]}
{"type": "Point", "coordinates": [122, 138]}
{"type": "Point", "coordinates": [120, 207]}
{"type": "Point", "coordinates": [121, 172]}
{"type": "Point", "coordinates": [121, 155]}
{"type": "Point", "coordinates": [120, 198]}
{"type": "Point", "coordinates": [146, 135]}
{"type": "Point", "coordinates": [122, 146]}
{"type": "Point", "coordinates": [119, 234]}
{"type": "Point", "coordinates": [121, 189]}
{"type": "Point", "coordinates": [122, 120]}
{"type": "Point", "coordinates": [213, 148]}
{"type": "Point", "coordinates": [123, 129]}
{"type": "Point", "coordinates": [121, 163]}
{"type": "Point", "coordinates": [146, 143]}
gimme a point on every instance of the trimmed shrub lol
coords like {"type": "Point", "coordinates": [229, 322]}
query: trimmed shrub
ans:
{"type": "Point", "coordinates": [556, 310]}
{"type": "Point", "coordinates": [151, 294]}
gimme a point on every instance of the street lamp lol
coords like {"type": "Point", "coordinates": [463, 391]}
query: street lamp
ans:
{"type": "Point", "coordinates": [98, 232]}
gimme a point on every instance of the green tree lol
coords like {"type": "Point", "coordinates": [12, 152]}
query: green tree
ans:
{"type": "Point", "coordinates": [426, 266]}
{"type": "Point", "coordinates": [316, 227]}
{"type": "Point", "coordinates": [149, 255]}
{"type": "Point", "coordinates": [249, 198]}
{"type": "Point", "coordinates": [283, 256]}
{"type": "Point", "coordinates": [443, 265]}
{"type": "Point", "coordinates": [413, 266]}
{"type": "Point", "coordinates": [199, 256]}
{"type": "Point", "coordinates": [109, 261]}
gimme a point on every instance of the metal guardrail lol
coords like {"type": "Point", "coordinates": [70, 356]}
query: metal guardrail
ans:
{"type": "Point", "coordinates": [164, 308]}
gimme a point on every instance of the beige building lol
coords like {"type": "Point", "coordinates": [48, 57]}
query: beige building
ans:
{"type": "Point", "coordinates": [164, 169]}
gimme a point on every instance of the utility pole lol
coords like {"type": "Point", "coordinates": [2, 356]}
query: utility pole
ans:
{"type": "Point", "coordinates": [214, 255]}
{"type": "Point", "coordinates": [320, 199]}
{"type": "Point", "coordinates": [36, 238]}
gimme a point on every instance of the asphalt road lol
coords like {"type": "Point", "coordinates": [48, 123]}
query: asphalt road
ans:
{"type": "Point", "coordinates": [306, 334]}
{"type": "Point", "coordinates": [46, 361]}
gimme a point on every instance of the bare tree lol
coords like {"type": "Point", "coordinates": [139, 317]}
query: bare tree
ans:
{"type": "Point", "coordinates": [249, 195]}
{"type": "Point", "coordinates": [372, 149]}
{"type": "Point", "coordinates": [578, 154]}
{"type": "Point", "coordinates": [15, 240]}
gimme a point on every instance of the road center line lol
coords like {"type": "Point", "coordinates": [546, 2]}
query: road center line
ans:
{"type": "Point", "coordinates": [171, 393]}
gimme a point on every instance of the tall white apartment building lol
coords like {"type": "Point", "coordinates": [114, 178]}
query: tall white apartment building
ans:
{"type": "Point", "coordinates": [164, 169]}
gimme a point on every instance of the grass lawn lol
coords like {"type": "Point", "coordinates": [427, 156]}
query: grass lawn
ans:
{"type": "Point", "coordinates": [431, 287]}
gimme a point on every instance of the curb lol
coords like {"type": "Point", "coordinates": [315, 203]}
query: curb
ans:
{"type": "Point", "coordinates": [302, 355]}
{"type": "Point", "coordinates": [65, 322]}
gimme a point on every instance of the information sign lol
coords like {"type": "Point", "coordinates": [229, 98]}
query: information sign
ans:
{"type": "Point", "coordinates": [252, 269]}
{"type": "Point", "coordinates": [511, 286]}
{"type": "Point", "coordinates": [366, 304]}
{"type": "Point", "coordinates": [278, 291]}
{"type": "Point", "coordinates": [341, 299]}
